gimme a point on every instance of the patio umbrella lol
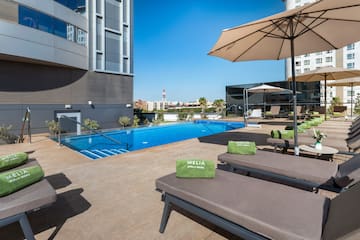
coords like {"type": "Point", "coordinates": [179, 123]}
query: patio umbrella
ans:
{"type": "Point", "coordinates": [320, 26]}
{"type": "Point", "coordinates": [327, 73]}
{"type": "Point", "coordinates": [264, 88]}
{"type": "Point", "coordinates": [348, 82]}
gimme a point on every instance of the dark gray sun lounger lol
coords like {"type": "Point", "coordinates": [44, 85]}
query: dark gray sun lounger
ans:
{"type": "Point", "coordinates": [255, 209]}
{"type": "Point", "coordinates": [301, 172]}
{"type": "Point", "coordinates": [13, 208]}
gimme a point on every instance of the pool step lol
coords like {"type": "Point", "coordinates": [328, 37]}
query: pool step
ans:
{"type": "Point", "coordinates": [97, 153]}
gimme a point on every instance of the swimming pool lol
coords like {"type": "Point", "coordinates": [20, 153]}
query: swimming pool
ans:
{"type": "Point", "coordinates": [96, 146]}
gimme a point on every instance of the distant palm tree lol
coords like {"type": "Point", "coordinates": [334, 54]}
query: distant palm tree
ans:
{"type": "Point", "coordinates": [203, 103]}
{"type": "Point", "coordinates": [219, 105]}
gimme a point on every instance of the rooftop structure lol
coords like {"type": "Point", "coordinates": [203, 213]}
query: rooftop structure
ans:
{"type": "Point", "coordinates": [61, 57]}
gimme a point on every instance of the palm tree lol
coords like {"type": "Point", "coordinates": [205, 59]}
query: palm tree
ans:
{"type": "Point", "coordinates": [219, 105]}
{"type": "Point", "coordinates": [203, 103]}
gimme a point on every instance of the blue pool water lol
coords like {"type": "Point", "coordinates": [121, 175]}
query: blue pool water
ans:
{"type": "Point", "coordinates": [96, 146]}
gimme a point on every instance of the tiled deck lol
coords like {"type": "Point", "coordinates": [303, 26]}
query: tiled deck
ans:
{"type": "Point", "coordinates": [115, 198]}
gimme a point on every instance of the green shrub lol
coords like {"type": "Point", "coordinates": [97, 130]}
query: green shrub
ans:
{"type": "Point", "coordinates": [136, 121]}
{"type": "Point", "coordinates": [124, 121]}
{"type": "Point", "coordinates": [53, 126]}
{"type": "Point", "coordinates": [91, 124]}
{"type": "Point", "coordinates": [6, 136]}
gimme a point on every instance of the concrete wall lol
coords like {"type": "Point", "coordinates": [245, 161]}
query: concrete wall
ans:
{"type": "Point", "coordinates": [48, 88]}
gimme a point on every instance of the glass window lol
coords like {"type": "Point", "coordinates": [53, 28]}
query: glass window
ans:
{"type": "Point", "coordinates": [98, 34]}
{"type": "Point", "coordinates": [328, 59]}
{"type": "Point", "coordinates": [330, 51]}
{"type": "Point", "coordinates": [298, 71]}
{"type": "Point", "coordinates": [307, 55]}
{"type": "Point", "coordinates": [349, 93]}
{"type": "Point", "coordinates": [125, 40]}
{"type": "Point", "coordinates": [125, 11]}
{"type": "Point", "coordinates": [319, 53]}
{"type": "Point", "coordinates": [75, 5]}
{"type": "Point", "coordinates": [350, 46]}
{"type": "Point", "coordinates": [318, 60]}
{"type": "Point", "coordinates": [125, 65]}
{"type": "Point", "coordinates": [70, 32]}
{"type": "Point", "coordinates": [297, 63]}
{"type": "Point", "coordinates": [112, 52]}
{"type": "Point", "coordinates": [350, 65]}
{"type": "Point", "coordinates": [98, 6]}
{"type": "Point", "coordinates": [81, 37]}
{"type": "Point", "coordinates": [60, 29]}
{"type": "Point", "coordinates": [43, 22]}
{"type": "Point", "coordinates": [99, 61]}
{"type": "Point", "coordinates": [112, 14]}
{"type": "Point", "coordinates": [306, 62]}
{"type": "Point", "coordinates": [350, 55]}
{"type": "Point", "coordinates": [306, 69]}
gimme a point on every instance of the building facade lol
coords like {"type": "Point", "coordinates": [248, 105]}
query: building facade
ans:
{"type": "Point", "coordinates": [346, 57]}
{"type": "Point", "coordinates": [67, 57]}
{"type": "Point", "coordinates": [308, 96]}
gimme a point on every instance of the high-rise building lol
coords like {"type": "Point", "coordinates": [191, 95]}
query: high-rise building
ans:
{"type": "Point", "coordinates": [66, 57]}
{"type": "Point", "coordinates": [346, 57]}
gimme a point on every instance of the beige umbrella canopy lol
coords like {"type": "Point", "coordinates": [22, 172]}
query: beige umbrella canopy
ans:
{"type": "Point", "coordinates": [325, 74]}
{"type": "Point", "coordinates": [320, 26]}
{"type": "Point", "coordinates": [264, 88]}
{"type": "Point", "coordinates": [348, 82]}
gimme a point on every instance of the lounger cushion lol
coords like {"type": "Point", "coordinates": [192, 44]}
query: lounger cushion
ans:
{"type": "Point", "coordinates": [309, 169]}
{"type": "Point", "coordinates": [29, 198]}
{"type": "Point", "coordinates": [241, 147]}
{"type": "Point", "coordinates": [195, 168]}
{"type": "Point", "coordinates": [13, 180]}
{"type": "Point", "coordinates": [12, 160]}
{"type": "Point", "coordinates": [343, 221]}
{"type": "Point", "coordinates": [269, 209]}
{"type": "Point", "coordinates": [349, 172]}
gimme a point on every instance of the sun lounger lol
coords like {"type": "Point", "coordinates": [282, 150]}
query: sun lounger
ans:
{"type": "Point", "coordinates": [301, 172]}
{"type": "Point", "coordinates": [13, 208]}
{"type": "Point", "coordinates": [274, 112]}
{"type": "Point", "coordinates": [256, 209]}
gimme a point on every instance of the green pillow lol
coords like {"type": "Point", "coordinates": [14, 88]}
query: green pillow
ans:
{"type": "Point", "coordinates": [14, 180]}
{"type": "Point", "coordinates": [268, 113]}
{"type": "Point", "coordinates": [195, 168]}
{"type": "Point", "coordinates": [286, 134]}
{"type": "Point", "coordinates": [12, 160]}
{"type": "Point", "coordinates": [241, 147]}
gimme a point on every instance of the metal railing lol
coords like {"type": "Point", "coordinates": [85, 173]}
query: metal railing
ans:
{"type": "Point", "coordinates": [27, 118]}
{"type": "Point", "coordinates": [86, 127]}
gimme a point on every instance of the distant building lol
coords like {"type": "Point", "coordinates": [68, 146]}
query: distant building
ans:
{"type": "Point", "coordinates": [308, 96]}
{"type": "Point", "coordinates": [66, 57]}
{"type": "Point", "coordinates": [346, 57]}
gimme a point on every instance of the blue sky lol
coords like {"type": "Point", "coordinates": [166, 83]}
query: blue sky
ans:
{"type": "Point", "coordinates": [172, 39]}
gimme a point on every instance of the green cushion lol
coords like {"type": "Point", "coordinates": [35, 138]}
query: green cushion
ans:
{"type": "Point", "coordinates": [268, 113]}
{"type": "Point", "coordinates": [12, 160]}
{"type": "Point", "coordinates": [195, 168]}
{"type": "Point", "coordinates": [286, 134]}
{"type": "Point", "coordinates": [315, 113]}
{"type": "Point", "coordinates": [275, 133]}
{"type": "Point", "coordinates": [14, 180]}
{"type": "Point", "coordinates": [241, 147]}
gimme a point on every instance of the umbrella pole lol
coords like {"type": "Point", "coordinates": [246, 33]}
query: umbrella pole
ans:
{"type": "Point", "coordinates": [325, 94]}
{"type": "Point", "coordinates": [351, 101]}
{"type": "Point", "coordinates": [296, 147]}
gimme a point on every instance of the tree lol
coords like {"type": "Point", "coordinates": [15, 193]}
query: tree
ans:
{"type": "Point", "coordinates": [357, 104]}
{"type": "Point", "coordinates": [219, 105]}
{"type": "Point", "coordinates": [203, 103]}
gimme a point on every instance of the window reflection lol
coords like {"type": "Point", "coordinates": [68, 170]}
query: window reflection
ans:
{"type": "Point", "coordinates": [34, 19]}
{"type": "Point", "coordinates": [75, 5]}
